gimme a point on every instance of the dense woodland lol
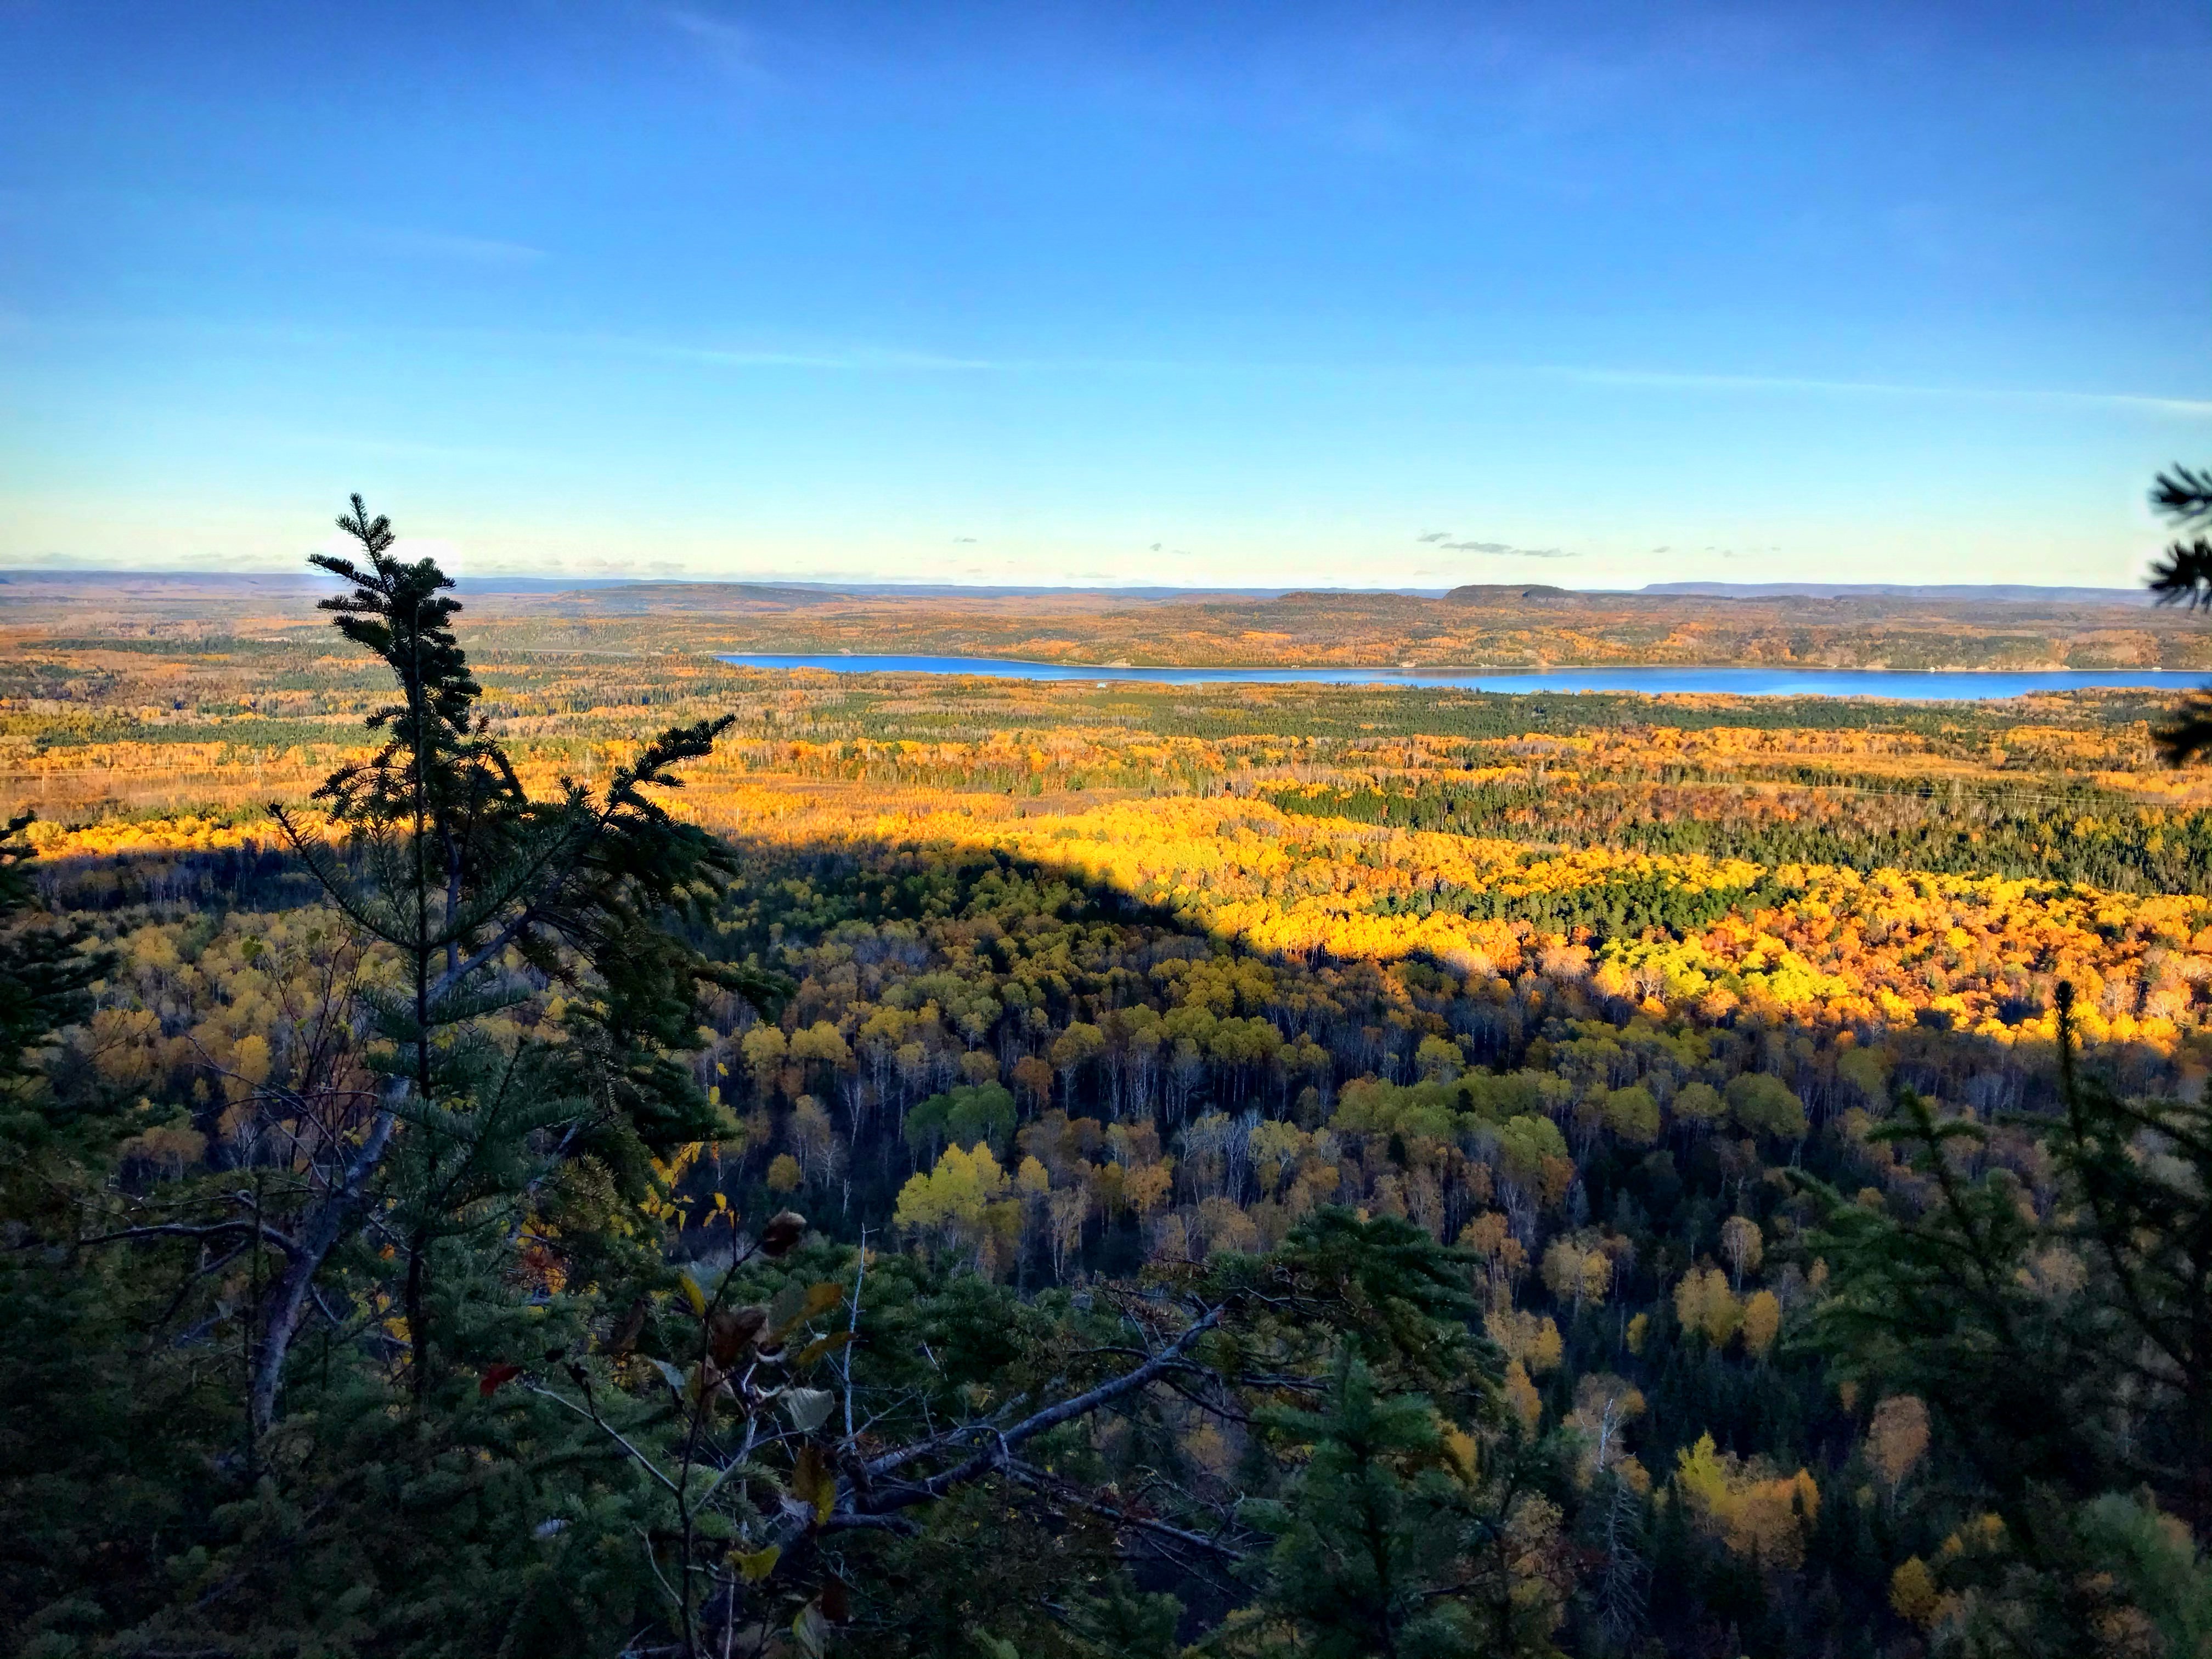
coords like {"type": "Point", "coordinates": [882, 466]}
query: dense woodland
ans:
{"type": "Point", "coordinates": [891, 1167]}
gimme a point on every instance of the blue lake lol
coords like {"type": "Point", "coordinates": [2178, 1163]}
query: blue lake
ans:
{"type": "Point", "coordinates": [1738, 682]}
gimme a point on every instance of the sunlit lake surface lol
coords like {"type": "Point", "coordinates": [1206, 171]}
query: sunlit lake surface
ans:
{"type": "Point", "coordinates": [1740, 682]}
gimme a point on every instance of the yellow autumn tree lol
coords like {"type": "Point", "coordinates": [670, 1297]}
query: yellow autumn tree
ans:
{"type": "Point", "coordinates": [1604, 1406]}
{"type": "Point", "coordinates": [1703, 1304]}
{"type": "Point", "coordinates": [1913, 1594]}
{"type": "Point", "coordinates": [764, 1049]}
{"type": "Point", "coordinates": [1034, 1179]}
{"type": "Point", "coordinates": [1897, 1439]}
{"type": "Point", "coordinates": [1762, 1322]}
{"type": "Point", "coordinates": [1530, 1339]}
{"type": "Point", "coordinates": [1522, 1398]}
{"type": "Point", "coordinates": [1744, 1246]}
{"type": "Point", "coordinates": [1760, 1515]}
{"type": "Point", "coordinates": [1577, 1271]}
{"type": "Point", "coordinates": [1144, 1188]}
{"type": "Point", "coordinates": [952, 1203]}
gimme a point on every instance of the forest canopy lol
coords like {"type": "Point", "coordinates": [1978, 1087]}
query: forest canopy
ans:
{"type": "Point", "coordinates": [512, 1150]}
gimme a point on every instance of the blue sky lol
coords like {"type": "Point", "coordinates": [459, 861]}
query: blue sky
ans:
{"type": "Point", "coordinates": [1267, 295]}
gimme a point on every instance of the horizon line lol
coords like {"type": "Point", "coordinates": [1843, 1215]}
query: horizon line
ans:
{"type": "Point", "coordinates": [1688, 588]}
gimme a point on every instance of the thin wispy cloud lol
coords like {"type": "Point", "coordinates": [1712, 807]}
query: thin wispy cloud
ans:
{"type": "Point", "coordinates": [730, 47]}
{"type": "Point", "coordinates": [829, 356]}
{"type": "Point", "coordinates": [862, 358]}
{"type": "Point", "coordinates": [2190, 408]}
{"type": "Point", "coordinates": [340, 443]}
{"type": "Point", "coordinates": [701, 27]}
{"type": "Point", "coordinates": [477, 250]}
{"type": "Point", "coordinates": [185, 219]}
{"type": "Point", "coordinates": [866, 358]}
{"type": "Point", "coordinates": [1442, 539]}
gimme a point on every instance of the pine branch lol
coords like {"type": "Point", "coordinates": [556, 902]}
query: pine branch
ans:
{"type": "Point", "coordinates": [2184, 577]}
{"type": "Point", "coordinates": [2184, 494]}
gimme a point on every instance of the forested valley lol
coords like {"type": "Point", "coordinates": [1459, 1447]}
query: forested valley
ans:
{"type": "Point", "coordinates": [526, 1151]}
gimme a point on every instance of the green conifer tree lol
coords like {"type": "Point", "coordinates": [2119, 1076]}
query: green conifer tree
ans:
{"type": "Point", "coordinates": [1372, 1542]}
{"type": "Point", "coordinates": [46, 972]}
{"type": "Point", "coordinates": [449, 865]}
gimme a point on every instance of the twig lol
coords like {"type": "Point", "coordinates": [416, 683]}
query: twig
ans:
{"type": "Point", "coordinates": [1029, 1475]}
{"type": "Point", "coordinates": [1007, 1438]}
{"type": "Point", "coordinates": [612, 1433]}
{"type": "Point", "coordinates": [210, 1229]}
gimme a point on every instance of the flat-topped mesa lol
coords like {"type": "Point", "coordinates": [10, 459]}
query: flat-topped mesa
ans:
{"type": "Point", "coordinates": [1498, 592]}
{"type": "Point", "coordinates": [1363, 600]}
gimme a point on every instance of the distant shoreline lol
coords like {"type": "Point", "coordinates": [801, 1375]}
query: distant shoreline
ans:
{"type": "Point", "coordinates": [1657, 680]}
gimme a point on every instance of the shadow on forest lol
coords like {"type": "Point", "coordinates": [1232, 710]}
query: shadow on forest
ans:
{"type": "Point", "coordinates": [933, 967]}
{"type": "Point", "coordinates": [794, 897]}
{"type": "Point", "coordinates": [259, 876]}
{"type": "Point", "coordinates": [1081, 948]}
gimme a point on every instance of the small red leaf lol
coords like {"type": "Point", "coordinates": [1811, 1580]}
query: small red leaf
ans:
{"type": "Point", "coordinates": [495, 1375]}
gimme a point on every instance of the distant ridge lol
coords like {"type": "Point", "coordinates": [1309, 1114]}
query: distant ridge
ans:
{"type": "Point", "coordinates": [787, 592]}
{"type": "Point", "coordinates": [820, 591]}
{"type": "Point", "coordinates": [1481, 592]}
{"type": "Point", "coordinates": [695, 590]}
{"type": "Point", "coordinates": [2016, 593]}
{"type": "Point", "coordinates": [301, 581]}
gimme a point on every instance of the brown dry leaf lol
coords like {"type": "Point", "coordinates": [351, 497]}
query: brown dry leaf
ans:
{"type": "Point", "coordinates": [730, 1331]}
{"type": "Point", "coordinates": [813, 1483]}
{"type": "Point", "coordinates": [784, 1231]}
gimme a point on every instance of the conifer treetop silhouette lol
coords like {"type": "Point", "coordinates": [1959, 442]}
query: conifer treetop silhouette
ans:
{"type": "Point", "coordinates": [2184, 577]}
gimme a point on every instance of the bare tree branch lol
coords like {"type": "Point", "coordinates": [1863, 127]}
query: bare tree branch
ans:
{"type": "Point", "coordinates": [1003, 1440]}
